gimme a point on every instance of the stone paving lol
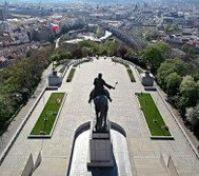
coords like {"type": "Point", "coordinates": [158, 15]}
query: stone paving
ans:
{"type": "Point", "coordinates": [143, 152]}
{"type": "Point", "coordinates": [121, 167]}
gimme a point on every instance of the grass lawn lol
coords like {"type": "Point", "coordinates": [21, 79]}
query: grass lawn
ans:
{"type": "Point", "coordinates": [131, 76]}
{"type": "Point", "coordinates": [71, 75]}
{"type": "Point", "coordinates": [47, 118]}
{"type": "Point", "coordinates": [152, 115]}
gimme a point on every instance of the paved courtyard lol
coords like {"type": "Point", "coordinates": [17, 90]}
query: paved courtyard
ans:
{"type": "Point", "coordinates": [143, 152]}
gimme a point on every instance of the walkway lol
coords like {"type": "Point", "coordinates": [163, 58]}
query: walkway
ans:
{"type": "Point", "coordinates": [143, 152]}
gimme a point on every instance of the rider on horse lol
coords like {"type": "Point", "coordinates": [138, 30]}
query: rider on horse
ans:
{"type": "Point", "coordinates": [99, 89]}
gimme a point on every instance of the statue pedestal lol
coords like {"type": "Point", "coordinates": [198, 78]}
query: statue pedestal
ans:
{"type": "Point", "coordinates": [100, 148]}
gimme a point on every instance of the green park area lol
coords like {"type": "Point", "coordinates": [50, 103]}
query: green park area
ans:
{"type": "Point", "coordinates": [71, 75]}
{"type": "Point", "coordinates": [152, 115]}
{"type": "Point", "coordinates": [48, 116]}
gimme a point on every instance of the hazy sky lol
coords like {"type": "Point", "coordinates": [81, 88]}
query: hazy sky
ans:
{"type": "Point", "coordinates": [80, 1]}
{"type": "Point", "coordinates": [94, 1]}
{"type": "Point", "coordinates": [55, 1]}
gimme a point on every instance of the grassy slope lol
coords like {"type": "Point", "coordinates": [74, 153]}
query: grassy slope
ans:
{"type": "Point", "coordinates": [50, 112]}
{"type": "Point", "coordinates": [151, 113]}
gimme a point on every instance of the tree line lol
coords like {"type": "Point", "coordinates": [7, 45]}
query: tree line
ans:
{"type": "Point", "coordinates": [178, 78]}
{"type": "Point", "coordinates": [88, 48]}
{"type": "Point", "coordinates": [18, 82]}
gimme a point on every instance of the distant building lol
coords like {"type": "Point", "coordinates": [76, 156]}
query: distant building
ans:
{"type": "Point", "coordinates": [168, 20]}
{"type": "Point", "coordinates": [4, 12]}
{"type": "Point", "coordinates": [173, 39]}
{"type": "Point", "coordinates": [4, 62]}
{"type": "Point", "coordinates": [5, 9]}
{"type": "Point", "coordinates": [2, 15]}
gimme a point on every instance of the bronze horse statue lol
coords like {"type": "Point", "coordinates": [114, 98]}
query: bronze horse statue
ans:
{"type": "Point", "coordinates": [101, 109]}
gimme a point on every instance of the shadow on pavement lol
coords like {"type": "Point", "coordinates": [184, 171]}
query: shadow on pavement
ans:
{"type": "Point", "coordinates": [112, 171]}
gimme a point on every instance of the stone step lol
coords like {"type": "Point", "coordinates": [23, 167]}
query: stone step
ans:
{"type": "Point", "coordinates": [101, 135]}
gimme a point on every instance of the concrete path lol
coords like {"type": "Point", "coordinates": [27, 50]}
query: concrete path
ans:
{"type": "Point", "coordinates": [143, 152]}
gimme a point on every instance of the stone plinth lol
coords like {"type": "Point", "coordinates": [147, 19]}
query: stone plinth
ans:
{"type": "Point", "coordinates": [100, 149]}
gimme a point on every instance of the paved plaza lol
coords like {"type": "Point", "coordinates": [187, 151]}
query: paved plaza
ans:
{"type": "Point", "coordinates": [141, 155]}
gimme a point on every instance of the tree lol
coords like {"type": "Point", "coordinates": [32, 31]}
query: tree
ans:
{"type": "Point", "coordinates": [122, 51]}
{"type": "Point", "coordinates": [54, 57]}
{"type": "Point", "coordinates": [165, 49]}
{"type": "Point", "coordinates": [196, 76]}
{"type": "Point", "coordinates": [153, 57]}
{"type": "Point", "coordinates": [111, 47]}
{"type": "Point", "coordinates": [65, 55]}
{"type": "Point", "coordinates": [172, 28]}
{"type": "Point", "coordinates": [192, 115]}
{"type": "Point", "coordinates": [86, 51]}
{"type": "Point", "coordinates": [6, 109]}
{"type": "Point", "coordinates": [164, 70]}
{"type": "Point", "coordinates": [130, 54]}
{"type": "Point", "coordinates": [189, 90]}
{"type": "Point", "coordinates": [168, 67]}
{"type": "Point", "coordinates": [151, 35]}
{"type": "Point", "coordinates": [77, 53]}
{"type": "Point", "coordinates": [156, 54]}
{"type": "Point", "coordinates": [51, 38]}
{"type": "Point", "coordinates": [18, 81]}
{"type": "Point", "coordinates": [173, 81]}
{"type": "Point", "coordinates": [189, 49]}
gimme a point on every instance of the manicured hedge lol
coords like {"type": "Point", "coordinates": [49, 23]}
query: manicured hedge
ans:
{"type": "Point", "coordinates": [71, 75]}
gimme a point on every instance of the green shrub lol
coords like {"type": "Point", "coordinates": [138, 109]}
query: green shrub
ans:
{"type": "Point", "coordinates": [71, 75]}
{"type": "Point", "coordinates": [131, 76]}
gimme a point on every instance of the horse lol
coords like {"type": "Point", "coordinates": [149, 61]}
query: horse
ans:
{"type": "Point", "coordinates": [101, 109]}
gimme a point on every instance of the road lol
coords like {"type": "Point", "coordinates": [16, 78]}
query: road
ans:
{"type": "Point", "coordinates": [57, 43]}
{"type": "Point", "coordinates": [86, 37]}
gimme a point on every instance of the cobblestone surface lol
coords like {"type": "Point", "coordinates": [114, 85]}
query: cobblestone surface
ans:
{"type": "Point", "coordinates": [143, 152]}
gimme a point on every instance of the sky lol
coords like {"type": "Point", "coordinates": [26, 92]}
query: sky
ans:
{"type": "Point", "coordinates": [92, 1]}
{"type": "Point", "coordinates": [73, 0]}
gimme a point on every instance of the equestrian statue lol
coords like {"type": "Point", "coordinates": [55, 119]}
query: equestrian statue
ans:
{"type": "Point", "coordinates": [100, 96]}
